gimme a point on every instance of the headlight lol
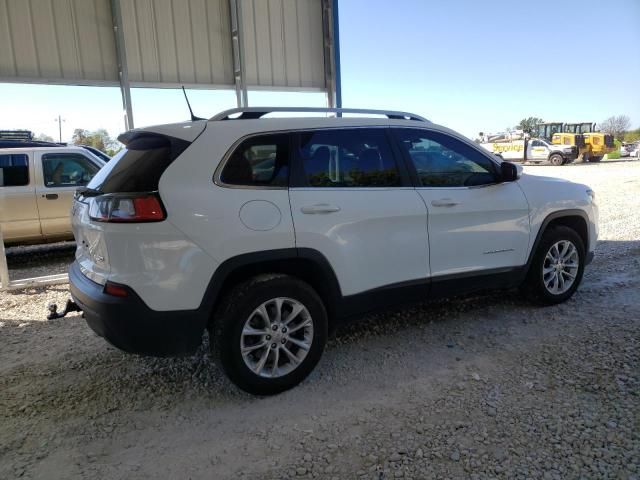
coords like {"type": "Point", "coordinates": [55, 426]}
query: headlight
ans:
{"type": "Point", "coordinates": [592, 195]}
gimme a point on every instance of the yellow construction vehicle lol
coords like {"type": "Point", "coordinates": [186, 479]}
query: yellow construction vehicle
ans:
{"type": "Point", "coordinates": [555, 133]}
{"type": "Point", "coordinates": [597, 144]}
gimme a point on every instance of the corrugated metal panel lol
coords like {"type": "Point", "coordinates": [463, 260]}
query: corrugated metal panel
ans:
{"type": "Point", "coordinates": [283, 43]}
{"type": "Point", "coordinates": [178, 41]}
{"type": "Point", "coordinates": [57, 40]}
{"type": "Point", "coordinates": [167, 42]}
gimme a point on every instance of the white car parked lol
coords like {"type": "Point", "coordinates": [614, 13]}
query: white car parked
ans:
{"type": "Point", "coordinates": [270, 231]}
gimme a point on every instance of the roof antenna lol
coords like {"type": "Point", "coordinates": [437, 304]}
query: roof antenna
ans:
{"type": "Point", "coordinates": [193, 117]}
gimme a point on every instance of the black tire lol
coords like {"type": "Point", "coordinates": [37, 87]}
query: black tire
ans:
{"type": "Point", "coordinates": [534, 286]}
{"type": "Point", "coordinates": [556, 159]}
{"type": "Point", "coordinates": [234, 311]}
{"type": "Point", "coordinates": [595, 159]}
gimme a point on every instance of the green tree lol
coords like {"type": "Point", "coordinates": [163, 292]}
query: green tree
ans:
{"type": "Point", "coordinates": [528, 125]}
{"type": "Point", "coordinates": [99, 139]}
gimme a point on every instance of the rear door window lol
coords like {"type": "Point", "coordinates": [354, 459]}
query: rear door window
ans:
{"type": "Point", "coordinates": [14, 170]}
{"type": "Point", "coordinates": [344, 158]}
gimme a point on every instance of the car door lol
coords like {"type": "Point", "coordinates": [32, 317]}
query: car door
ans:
{"type": "Point", "coordinates": [539, 151]}
{"type": "Point", "coordinates": [351, 201]}
{"type": "Point", "coordinates": [59, 174]}
{"type": "Point", "coordinates": [476, 223]}
{"type": "Point", "coordinates": [18, 208]}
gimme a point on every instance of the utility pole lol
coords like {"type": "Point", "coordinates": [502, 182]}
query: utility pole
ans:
{"type": "Point", "coordinates": [60, 120]}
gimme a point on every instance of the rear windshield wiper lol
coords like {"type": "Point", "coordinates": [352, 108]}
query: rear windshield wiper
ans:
{"type": "Point", "coordinates": [88, 192]}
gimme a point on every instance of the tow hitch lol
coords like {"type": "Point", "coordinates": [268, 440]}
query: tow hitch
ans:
{"type": "Point", "coordinates": [71, 306]}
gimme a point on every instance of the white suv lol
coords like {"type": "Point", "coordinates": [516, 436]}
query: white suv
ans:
{"type": "Point", "coordinates": [267, 232]}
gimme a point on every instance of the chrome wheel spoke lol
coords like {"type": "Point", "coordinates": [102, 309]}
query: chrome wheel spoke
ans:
{"type": "Point", "coordinates": [293, 314]}
{"type": "Point", "coordinates": [276, 360]}
{"type": "Point", "coordinates": [249, 330]}
{"type": "Point", "coordinates": [278, 317]}
{"type": "Point", "coordinates": [263, 359]}
{"type": "Point", "coordinates": [292, 358]}
{"type": "Point", "coordinates": [252, 348]}
{"type": "Point", "coordinates": [299, 343]}
{"type": "Point", "coordinates": [304, 323]}
{"type": "Point", "coordinates": [262, 311]}
{"type": "Point", "coordinates": [569, 252]}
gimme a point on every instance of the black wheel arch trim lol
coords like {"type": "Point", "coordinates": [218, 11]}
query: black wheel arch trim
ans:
{"type": "Point", "coordinates": [227, 268]}
{"type": "Point", "coordinates": [554, 216]}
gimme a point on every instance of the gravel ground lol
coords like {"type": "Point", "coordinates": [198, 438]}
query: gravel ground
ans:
{"type": "Point", "coordinates": [475, 387]}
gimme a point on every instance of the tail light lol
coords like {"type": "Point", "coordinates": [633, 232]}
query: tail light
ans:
{"type": "Point", "coordinates": [127, 208]}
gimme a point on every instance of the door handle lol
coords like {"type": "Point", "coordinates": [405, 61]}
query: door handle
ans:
{"type": "Point", "coordinates": [444, 202]}
{"type": "Point", "coordinates": [320, 208]}
{"type": "Point", "coordinates": [51, 196]}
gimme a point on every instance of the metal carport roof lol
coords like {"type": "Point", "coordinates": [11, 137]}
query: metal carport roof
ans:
{"type": "Point", "coordinates": [241, 44]}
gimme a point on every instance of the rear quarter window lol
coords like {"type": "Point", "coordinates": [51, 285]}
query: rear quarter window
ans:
{"type": "Point", "coordinates": [259, 161]}
{"type": "Point", "coordinates": [139, 166]}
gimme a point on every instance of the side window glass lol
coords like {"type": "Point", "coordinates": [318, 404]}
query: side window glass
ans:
{"type": "Point", "coordinates": [14, 170]}
{"type": "Point", "coordinates": [347, 158]}
{"type": "Point", "coordinates": [67, 170]}
{"type": "Point", "coordinates": [259, 161]}
{"type": "Point", "coordinates": [443, 161]}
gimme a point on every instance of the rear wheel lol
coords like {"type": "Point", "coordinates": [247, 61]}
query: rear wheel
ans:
{"type": "Point", "coordinates": [269, 333]}
{"type": "Point", "coordinates": [556, 159]}
{"type": "Point", "coordinates": [557, 266]}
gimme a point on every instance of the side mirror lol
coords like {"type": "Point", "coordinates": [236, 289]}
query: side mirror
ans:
{"type": "Point", "coordinates": [510, 172]}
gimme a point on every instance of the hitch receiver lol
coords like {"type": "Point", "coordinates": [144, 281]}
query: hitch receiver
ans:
{"type": "Point", "coordinates": [71, 306]}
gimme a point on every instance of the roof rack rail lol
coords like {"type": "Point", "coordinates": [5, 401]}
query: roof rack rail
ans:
{"type": "Point", "coordinates": [248, 113]}
{"type": "Point", "coordinates": [16, 135]}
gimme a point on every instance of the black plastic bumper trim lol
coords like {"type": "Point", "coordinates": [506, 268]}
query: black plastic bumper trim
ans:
{"type": "Point", "coordinates": [130, 325]}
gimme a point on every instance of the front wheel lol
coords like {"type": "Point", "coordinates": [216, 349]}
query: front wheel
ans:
{"type": "Point", "coordinates": [557, 266]}
{"type": "Point", "coordinates": [556, 160]}
{"type": "Point", "coordinates": [595, 159]}
{"type": "Point", "coordinates": [269, 333]}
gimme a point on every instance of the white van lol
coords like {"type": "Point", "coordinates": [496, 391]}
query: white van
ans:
{"type": "Point", "coordinates": [36, 191]}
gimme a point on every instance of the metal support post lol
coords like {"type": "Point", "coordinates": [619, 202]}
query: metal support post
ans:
{"type": "Point", "coordinates": [123, 69]}
{"type": "Point", "coordinates": [237, 47]}
{"type": "Point", "coordinates": [4, 270]}
{"type": "Point", "coordinates": [331, 42]}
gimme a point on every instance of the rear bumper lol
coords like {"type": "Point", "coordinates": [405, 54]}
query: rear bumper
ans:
{"type": "Point", "coordinates": [130, 325]}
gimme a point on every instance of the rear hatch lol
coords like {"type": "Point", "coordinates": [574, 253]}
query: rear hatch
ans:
{"type": "Point", "coordinates": [124, 192]}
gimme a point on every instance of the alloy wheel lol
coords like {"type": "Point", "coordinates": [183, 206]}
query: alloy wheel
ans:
{"type": "Point", "coordinates": [276, 337]}
{"type": "Point", "coordinates": [560, 267]}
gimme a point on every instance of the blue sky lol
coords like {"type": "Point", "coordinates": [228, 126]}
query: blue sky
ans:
{"type": "Point", "coordinates": [470, 65]}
